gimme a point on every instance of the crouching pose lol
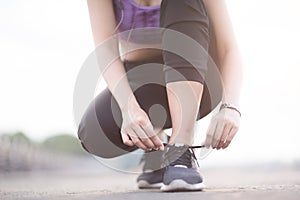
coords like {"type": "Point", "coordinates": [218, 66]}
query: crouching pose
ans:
{"type": "Point", "coordinates": [164, 86]}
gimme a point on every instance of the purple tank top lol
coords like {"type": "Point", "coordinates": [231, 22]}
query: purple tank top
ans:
{"type": "Point", "coordinates": [136, 16]}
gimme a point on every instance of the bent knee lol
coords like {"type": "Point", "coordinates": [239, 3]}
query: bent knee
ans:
{"type": "Point", "coordinates": [95, 141]}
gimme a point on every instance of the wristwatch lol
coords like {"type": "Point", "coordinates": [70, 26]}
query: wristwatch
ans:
{"type": "Point", "coordinates": [231, 106]}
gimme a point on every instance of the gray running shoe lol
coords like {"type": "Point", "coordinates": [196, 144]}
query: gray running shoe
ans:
{"type": "Point", "coordinates": [182, 169]}
{"type": "Point", "coordinates": [152, 176]}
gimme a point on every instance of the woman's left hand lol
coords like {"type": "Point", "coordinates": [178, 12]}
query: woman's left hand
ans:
{"type": "Point", "coordinates": [223, 127]}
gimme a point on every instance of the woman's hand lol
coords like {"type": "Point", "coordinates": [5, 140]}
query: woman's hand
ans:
{"type": "Point", "coordinates": [223, 127]}
{"type": "Point", "coordinates": [137, 129]}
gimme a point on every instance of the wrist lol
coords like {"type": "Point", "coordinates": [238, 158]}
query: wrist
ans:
{"type": "Point", "coordinates": [130, 103]}
{"type": "Point", "coordinates": [231, 106]}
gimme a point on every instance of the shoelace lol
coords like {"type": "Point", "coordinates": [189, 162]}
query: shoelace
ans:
{"type": "Point", "coordinates": [184, 158]}
{"type": "Point", "coordinates": [193, 147]}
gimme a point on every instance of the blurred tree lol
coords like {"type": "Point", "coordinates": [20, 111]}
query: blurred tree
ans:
{"type": "Point", "coordinates": [18, 136]}
{"type": "Point", "coordinates": [64, 143]}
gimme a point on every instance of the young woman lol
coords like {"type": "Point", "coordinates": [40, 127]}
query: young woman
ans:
{"type": "Point", "coordinates": [132, 113]}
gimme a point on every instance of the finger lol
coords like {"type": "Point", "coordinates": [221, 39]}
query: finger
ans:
{"type": "Point", "coordinates": [225, 134]}
{"type": "Point", "coordinates": [149, 130]}
{"type": "Point", "coordinates": [143, 137]}
{"type": "Point", "coordinates": [230, 137]}
{"type": "Point", "coordinates": [138, 143]}
{"type": "Point", "coordinates": [217, 135]}
{"type": "Point", "coordinates": [126, 139]}
{"type": "Point", "coordinates": [135, 139]}
{"type": "Point", "coordinates": [157, 142]}
{"type": "Point", "coordinates": [151, 134]}
{"type": "Point", "coordinates": [209, 135]}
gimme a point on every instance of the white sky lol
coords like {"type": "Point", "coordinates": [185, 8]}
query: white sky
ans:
{"type": "Point", "coordinates": [44, 43]}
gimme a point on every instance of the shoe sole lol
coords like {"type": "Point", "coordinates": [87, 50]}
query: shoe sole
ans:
{"type": "Point", "coordinates": [147, 185]}
{"type": "Point", "coordinates": [181, 185]}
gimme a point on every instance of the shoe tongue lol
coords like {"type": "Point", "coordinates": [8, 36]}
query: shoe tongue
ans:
{"type": "Point", "coordinates": [178, 155]}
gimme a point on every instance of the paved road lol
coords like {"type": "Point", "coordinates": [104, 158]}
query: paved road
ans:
{"type": "Point", "coordinates": [222, 183]}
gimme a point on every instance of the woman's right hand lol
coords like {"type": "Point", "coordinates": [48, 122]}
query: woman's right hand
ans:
{"type": "Point", "coordinates": [137, 129]}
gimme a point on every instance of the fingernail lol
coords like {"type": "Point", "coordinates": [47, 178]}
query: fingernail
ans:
{"type": "Point", "coordinates": [161, 148]}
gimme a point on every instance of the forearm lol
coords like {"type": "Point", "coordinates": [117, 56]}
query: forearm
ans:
{"type": "Point", "coordinates": [117, 82]}
{"type": "Point", "coordinates": [232, 75]}
{"type": "Point", "coordinates": [103, 26]}
{"type": "Point", "coordinates": [227, 49]}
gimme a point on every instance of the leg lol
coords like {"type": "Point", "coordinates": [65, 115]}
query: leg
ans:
{"type": "Point", "coordinates": [185, 74]}
{"type": "Point", "coordinates": [184, 100]}
{"type": "Point", "coordinates": [99, 129]}
{"type": "Point", "coordinates": [185, 81]}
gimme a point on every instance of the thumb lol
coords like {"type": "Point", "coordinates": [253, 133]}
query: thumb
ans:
{"type": "Point", "coordinates": [126, 140]}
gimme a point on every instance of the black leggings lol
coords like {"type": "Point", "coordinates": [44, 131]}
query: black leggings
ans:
{"type": "Point", "coordinates": [99, 129]}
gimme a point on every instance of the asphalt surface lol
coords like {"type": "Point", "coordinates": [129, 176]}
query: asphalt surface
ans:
{"type": "Point", "coordinates": [245, 183]}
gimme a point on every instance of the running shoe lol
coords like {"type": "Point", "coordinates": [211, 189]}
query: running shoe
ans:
{"type": "Point", "coordinates": [152, 175]}
{"type": "Point", "coordinates": [181, 169]}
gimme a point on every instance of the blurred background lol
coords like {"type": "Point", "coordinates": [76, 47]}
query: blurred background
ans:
{"type": "Point", "coordinates": [43, 45]}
